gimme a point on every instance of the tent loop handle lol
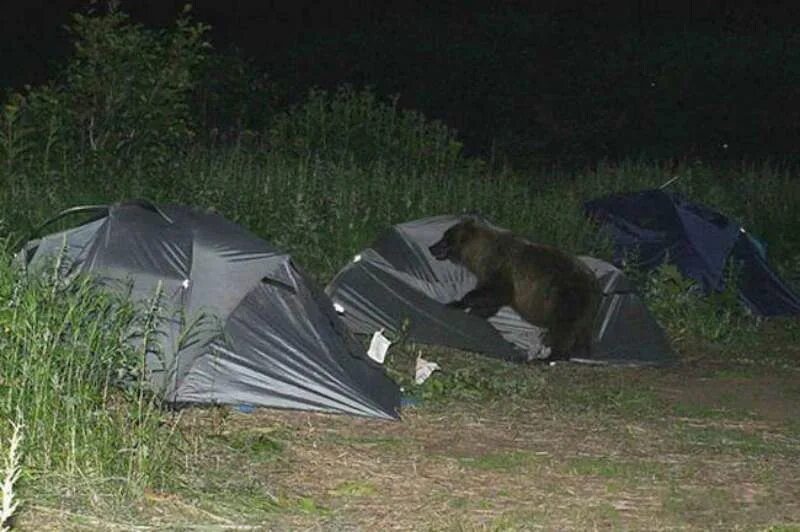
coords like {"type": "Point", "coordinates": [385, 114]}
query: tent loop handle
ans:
{"type": "Point", "coordinates": [66, 212]}
{"type": "Point", "coordinates": [145, 204]}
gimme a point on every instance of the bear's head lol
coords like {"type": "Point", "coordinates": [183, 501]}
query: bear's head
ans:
{"type": "Point", "coordinates": [454, 240]}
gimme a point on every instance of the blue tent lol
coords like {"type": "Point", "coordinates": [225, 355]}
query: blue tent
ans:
{"type": "Point", "coordinates": [655, 225]}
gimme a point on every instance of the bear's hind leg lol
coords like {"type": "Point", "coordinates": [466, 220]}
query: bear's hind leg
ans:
{"type": "Point", "coordinates": [560, 339]}
{"type": "Point", "coordinates": [583, 345]}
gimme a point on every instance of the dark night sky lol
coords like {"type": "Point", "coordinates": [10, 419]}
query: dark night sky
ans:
{"type": "Point", "coordinates": [32, 36]}
{"type": "Point", "coordinates": [459, 65]}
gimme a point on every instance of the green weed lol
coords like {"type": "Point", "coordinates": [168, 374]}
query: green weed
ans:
{"type": "Point", "coordinates": [691, 410]}
{"type": "Point", "coordinates": [692, 502]}
{"type": "Point", "coordinates": [574, 391]}
{"type": "Point", "coordinates": [307, 505]}
{"type": "Point", "coordinates": [354, 489]}
{"type": "Point", "coordinates": [508, 461]}
{"type": "Point", "coordinates": [465, 377]}
{"type": "Point", "coordinates": [257, 446]}
{"type": "Point", "coordinates": [718, 439]}
{"type": "Point", "coordinates": [689, 314]}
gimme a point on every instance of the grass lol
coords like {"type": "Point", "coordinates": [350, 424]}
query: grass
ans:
{"type": "Point", "coordinates": [475, 465]}
{"type": "Point", "coordinates": [748, 443]}
{"type": "Point", "coordinates": [515, 460]}
{"type": "Point", "coordinates": [616, 469]}
{"type": "Point", "coordinates": [482, 466]}
{"type": "Point", "coordinates": [69, 372]}
{"type": "Point", "coordinates": [255, 445]}
{"type": "Point", "coordinates": [326, 211]}
{"type": "Point", "coordinates": [354, 489]}
{"type": "Point", "coordinates": [698, 411]}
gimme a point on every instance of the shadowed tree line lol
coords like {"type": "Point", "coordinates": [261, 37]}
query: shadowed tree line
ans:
{"type": "Point", "coordinates": [534, 81]}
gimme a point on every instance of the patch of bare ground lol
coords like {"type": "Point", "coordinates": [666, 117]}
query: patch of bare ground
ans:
{"type": "Point", "coordinates": [767, 398]}
{"type": "Point", "coordinates": [697, 447]}
{"type": "Point", "coordinates": [468, 466]}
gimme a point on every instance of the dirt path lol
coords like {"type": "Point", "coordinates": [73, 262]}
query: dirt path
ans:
{"type": "Point", "coordinates": [683, 451]}
{"type": "Point", "coordinates": [571, 448]}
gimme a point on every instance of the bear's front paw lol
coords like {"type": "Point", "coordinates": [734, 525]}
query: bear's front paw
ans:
{"type": "Point", "coordinates": [540, 352]}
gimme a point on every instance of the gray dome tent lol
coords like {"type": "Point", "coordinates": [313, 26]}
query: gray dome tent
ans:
{"type": "Point", "coordinates": [276, 340]}
{"type": "Point", "coordinates": [397, 281]}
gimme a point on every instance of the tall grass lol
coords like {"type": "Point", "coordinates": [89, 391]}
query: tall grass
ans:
{"type": "Point", "coordinates": [324, 211]}
{"type": "Point", "coordinates": [12, 471]}
{"type": "Point", "coordinates": [324, 196]}
{"type": "Point", "coordinates": [69, 371]}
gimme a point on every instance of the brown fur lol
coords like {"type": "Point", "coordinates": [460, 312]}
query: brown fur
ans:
{"type": "Point", "coordinates": [546, 286]}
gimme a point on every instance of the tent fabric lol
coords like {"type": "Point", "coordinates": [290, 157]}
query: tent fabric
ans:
{"type": "Point", "coordinates": [657, 226]}
{"type": "Point", "coordinates": [262, 333]}
{"type": "Point", "coordinates": [396, 285]}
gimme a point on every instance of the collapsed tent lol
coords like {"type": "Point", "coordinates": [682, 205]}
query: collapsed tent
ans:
{"type": "Point", "coordinates": [656, 226]}
{"type": "Point", "coordinates": [396, 285]}
{"type": "Point", "coordinates": [271, 338]}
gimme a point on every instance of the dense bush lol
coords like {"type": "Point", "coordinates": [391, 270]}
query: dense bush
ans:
{"type": "Point", "coordinates": [356, 126]}
{"type": "Point", "coordinates": [689, 314]}
{"type": "Point", "coordinates": [123, 97]}
{"type": "Point", "coordinates": [234, 98]}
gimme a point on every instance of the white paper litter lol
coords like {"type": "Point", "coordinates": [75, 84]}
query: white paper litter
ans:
{"type": "Point", "coordinates": [338, 308]}
{"type": "Point", "coordinates": [357, 258]}
{"type": "Point", "coordinates": [378, 347]}
{"type": "Point", "coordinates": [424, 370]}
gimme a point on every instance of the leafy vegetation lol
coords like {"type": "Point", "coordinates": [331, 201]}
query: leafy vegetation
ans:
{"type": "Point", "coordinates": [691, 314]}
{"type": "Point", "coordinates": [123, 98]}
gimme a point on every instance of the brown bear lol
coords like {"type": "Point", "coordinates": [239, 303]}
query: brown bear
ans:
{"type": "Point", "coordinates": [546, 286]}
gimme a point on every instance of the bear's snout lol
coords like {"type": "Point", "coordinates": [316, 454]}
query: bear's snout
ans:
{"type": "Point", "coordinates": [440, 250]}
